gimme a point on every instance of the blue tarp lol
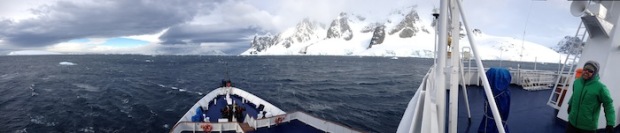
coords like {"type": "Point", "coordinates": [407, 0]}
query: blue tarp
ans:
{"type": "Point", "coordinates": [499, 79]}
{"type": "Point", "coordinates": [198, 116]}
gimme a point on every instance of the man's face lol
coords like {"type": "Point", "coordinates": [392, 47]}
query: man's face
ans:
{"type": "Point", "coordinates": [588, 72]}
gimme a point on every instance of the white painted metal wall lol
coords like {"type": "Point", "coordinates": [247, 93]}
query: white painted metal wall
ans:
{"type": "Point", "coordinates": [606, 51]}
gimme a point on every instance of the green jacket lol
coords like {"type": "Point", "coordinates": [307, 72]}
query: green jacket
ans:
{"type": "Point", "coordinates": [585, 104]}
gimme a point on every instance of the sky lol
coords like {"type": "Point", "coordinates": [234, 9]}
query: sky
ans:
{"type": "Point", "coordinates": [216, 26]}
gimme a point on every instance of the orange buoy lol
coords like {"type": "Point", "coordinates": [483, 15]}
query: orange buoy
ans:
{"type": "Point", "coordinates": [578, 72]}
{"type": "Point", "coordinates": [279, 120]}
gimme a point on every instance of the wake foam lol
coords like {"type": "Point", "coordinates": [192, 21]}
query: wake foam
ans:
{"type": "Point", "coordinates": [41, 121]}
{"type": "Point", "coordinates": [65, 63]}
{"type": "Point", "coordinates": [33, 93]}
{"type": "Point", "coordinates": [179, 89]}
{"type": "Point", "coordinates": [87, 130]}
{"type": "Point", "coordinates": [166, 126]}
{"type": "Point", "coordinates": [21, 131]}
{"type": "Point", "coordinates": [87, 87]}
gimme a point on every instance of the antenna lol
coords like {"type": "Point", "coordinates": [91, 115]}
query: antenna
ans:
{"type": "Point", "coordinates": [527, 19]}
{"type": "Point", "coordinates": [435, 13]}
{"type": "Point", "coordinates": [226, 81]}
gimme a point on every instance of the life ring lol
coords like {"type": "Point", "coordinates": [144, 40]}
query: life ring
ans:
{"type": "Point", "coordinates": [206, 127]}
{"type": "Point", "coordinates": [279, 120]}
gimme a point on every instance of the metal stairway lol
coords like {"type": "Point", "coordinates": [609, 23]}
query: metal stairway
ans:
{"type": "Point", "coordinates": [565, 77]}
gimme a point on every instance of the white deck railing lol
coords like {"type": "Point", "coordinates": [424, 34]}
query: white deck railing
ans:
{"type": "Point", "coordinates": [315, 122]}
{"type": "Point", "coordinates": [196, 126]}
{"type": "Point", "coordinates": [204, 102]}
{"type": "Point", "coordinates": [412, 118]}
{"type": "Point", "coordinates": [529, 79]}
{"type": "Point", "coordinates": [320, 124]}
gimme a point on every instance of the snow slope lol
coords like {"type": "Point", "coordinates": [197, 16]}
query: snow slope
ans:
{"type": "Point", "coordinates": [406, 35]}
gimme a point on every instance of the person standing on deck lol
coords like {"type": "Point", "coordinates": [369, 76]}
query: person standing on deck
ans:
{"type": "Point", "coordinates": [585, 103]}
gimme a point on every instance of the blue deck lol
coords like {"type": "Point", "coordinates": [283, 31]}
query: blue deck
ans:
{"type": "Point", "coordinates": [529, 112]}
{"type": "Point", "coordinates": [294, 126]}
{"type": "Point", "coordinates": [214, 113]}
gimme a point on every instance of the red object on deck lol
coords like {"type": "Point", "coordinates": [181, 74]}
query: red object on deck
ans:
{"type": "Point", "coordinates": [578, 72]}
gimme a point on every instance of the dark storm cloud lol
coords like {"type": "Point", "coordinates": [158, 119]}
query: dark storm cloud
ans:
{"type": "Point", "coordinates": [64, 21]}
{"type": "Point", "coordinates": [194, 34]}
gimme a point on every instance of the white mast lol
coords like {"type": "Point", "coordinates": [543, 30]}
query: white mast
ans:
{"type": "Point", "coordinates": [454, 67]}
{"type": "Point", "coordinates": [440, 85]}
{"type": "Point", "coordinates": [426, 110]}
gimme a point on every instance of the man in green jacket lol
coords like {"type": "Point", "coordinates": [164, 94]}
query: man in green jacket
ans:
{"type": "Point", "coordinates": [585, 103]}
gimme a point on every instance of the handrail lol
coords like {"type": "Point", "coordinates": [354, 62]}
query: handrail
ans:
{"type": "Point", "coordinates": [411, 120]}
{"type": "Point", "coordinates": [194, 126]}
{"type": "Point", "coordinates": [485, 81]}
{"type": "Point", "coordinates": [294, 115]}
{"type": "Point", "coordinates": [322, 124]}
{"type": "Point", "coordinates": [427, 81]}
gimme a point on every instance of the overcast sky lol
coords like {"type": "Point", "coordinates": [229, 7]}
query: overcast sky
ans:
{"type": "Point", "coordinates": [204, 26]}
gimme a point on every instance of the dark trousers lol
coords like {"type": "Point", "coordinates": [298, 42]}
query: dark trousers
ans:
{"type": "Point", "coordinates": [572, 129]}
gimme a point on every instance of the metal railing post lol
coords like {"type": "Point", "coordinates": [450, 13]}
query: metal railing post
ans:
{"type": "Point", "coordinates": [485, 82]}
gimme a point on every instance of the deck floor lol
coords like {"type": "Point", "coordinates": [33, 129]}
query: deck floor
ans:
{"type": "Point", "coordinates": [294, 126]}
{"type": "Point", "coordinates": [529, 112]}
{"type": "Point", "coordinates": [214, 113]}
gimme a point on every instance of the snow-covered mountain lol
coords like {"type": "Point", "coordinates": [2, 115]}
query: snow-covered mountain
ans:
{"type": "Point", "coordinates": [403, 33]}
{"type": "Point", "coordinates": [289, 42]}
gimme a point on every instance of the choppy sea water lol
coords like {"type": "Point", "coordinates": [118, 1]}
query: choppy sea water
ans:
{"type": "Point", "coordinates": [135, 93]}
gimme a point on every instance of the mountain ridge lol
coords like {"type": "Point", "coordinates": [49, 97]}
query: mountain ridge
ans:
{"type": "Point", "coordinates": [403, 33]}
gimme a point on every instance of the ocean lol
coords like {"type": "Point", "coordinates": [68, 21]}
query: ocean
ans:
{"type": "Point", "coordinates": [139, 93]}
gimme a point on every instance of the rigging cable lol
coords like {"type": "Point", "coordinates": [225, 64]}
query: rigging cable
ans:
{"type": "Point", "coordinates": [527, 19]}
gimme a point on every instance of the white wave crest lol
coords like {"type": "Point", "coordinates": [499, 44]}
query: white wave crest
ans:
{"type": "Point", "coordinates": [65, 63]}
